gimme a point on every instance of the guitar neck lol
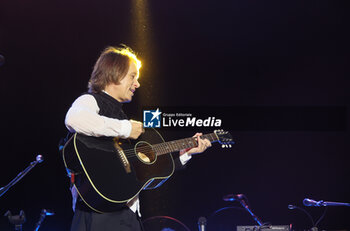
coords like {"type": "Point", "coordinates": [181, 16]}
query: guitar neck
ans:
{"type": "Point", "coordinates": [177, 145]}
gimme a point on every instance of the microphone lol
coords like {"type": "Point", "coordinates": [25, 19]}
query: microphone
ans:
{"type": "Point", "coordinates": [233, 197]}
{"type": "Point", "coordinates": [48, 212]}
{"type": "Point", "coordinates": [39, 158]}
{"type": "Point", "coordinates": [202, 223]}
{"type": "Point", "coordinates": [310, 202]}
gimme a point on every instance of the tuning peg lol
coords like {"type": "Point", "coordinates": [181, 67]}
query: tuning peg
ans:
{"type": "Point", "coordinates": [223, 145]}
{"type": "Point", "coordinates": [230, 146]}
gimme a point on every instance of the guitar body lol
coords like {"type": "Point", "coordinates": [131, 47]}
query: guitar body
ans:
{"type": "Point", "coordinates": [110, 172]}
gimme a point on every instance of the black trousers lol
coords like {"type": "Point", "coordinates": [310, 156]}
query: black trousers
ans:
{"type": "Point", "coordinates": [123, 220]}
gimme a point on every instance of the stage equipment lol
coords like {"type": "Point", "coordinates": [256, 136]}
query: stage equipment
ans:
{"type": "Point", "coordinates": [243, 200]}
{"type": "Point", "coordinates": [39, 159]}
{"type": "Point", "coordinates": [321, 203]}
{"type": "Point", "coordinates": [43, 214]}
{"type": "Point", "coordinates": [311, 202]}
{"type": "Point", "coordinates": [264, 228]}
{"type": "Point", "coordinates": [16, 220]}
{"type": "Point", "coordinates": [202, 224]}
{"type": "Point", "coordinates": [19, 220]}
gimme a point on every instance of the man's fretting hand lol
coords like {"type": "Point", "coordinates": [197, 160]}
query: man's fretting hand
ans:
{"type": "Point", "coordinates": [203, 144]}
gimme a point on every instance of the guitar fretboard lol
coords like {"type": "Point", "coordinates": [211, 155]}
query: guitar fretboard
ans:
{"type": "Point", "coordinates": [177, 145]}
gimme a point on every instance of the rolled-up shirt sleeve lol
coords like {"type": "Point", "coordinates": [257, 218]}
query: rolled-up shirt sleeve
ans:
{"type": "Point", "coordinates": [82, 117]}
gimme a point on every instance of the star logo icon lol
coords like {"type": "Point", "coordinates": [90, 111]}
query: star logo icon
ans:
{"type": "Point", "coordinates": [156, 114]}
{"type": "Point", "coordinates": [151, 118]}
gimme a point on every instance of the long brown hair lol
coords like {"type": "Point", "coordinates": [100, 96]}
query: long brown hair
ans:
{"type": "Point", "coordinates": [111, 67]}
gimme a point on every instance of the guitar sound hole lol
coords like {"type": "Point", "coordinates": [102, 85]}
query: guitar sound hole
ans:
{"type": "Point", "coordinates": [145, 153]}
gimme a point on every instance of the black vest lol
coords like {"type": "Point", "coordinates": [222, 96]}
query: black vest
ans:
{"type": "Point", "coordinates": [109, 106]}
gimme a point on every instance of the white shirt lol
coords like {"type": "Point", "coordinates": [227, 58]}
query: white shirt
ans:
{"type": "Point", "coordinates": [82, 117]}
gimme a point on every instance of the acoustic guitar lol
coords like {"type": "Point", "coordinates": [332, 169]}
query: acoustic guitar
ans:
{"type": "Point", "coordinates": [108, 172]}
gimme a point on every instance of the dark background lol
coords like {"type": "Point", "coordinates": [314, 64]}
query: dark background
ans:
{"type": "Point", "coordinates": [195, 53]}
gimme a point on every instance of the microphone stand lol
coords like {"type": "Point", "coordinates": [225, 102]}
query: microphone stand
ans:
{"type": "Point", "coordinates": [43, 214]}
{"type": "Point", "coordinates": [240, 198]}
{"type": "Point", "coordinates": [331, 203]}
{"type": "Point", "coordinates": [4, 189]}
{"type": "Point", "coordinates": [311, 202]}
{"type": "Point", "coordinates": [246, 207]}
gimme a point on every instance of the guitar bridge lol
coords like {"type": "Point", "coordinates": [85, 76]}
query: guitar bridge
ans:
{"type": "Point", "coordinates": [122, 156]}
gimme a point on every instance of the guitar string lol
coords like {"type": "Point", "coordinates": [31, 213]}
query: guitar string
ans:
{"type": "Point", "coordinates": [161, 150]}
{"type": "Point", "coordinates": [131, 152]}
{"type": "Point", "coordinates": [171, 143]}
{"type": "Point", "coordinates": [167, 148]}
{"type": "Point", "coordinates": [162, 146]}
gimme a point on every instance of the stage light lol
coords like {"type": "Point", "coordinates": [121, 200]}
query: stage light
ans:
{"type": "Point", "coordinates": [141, 27]}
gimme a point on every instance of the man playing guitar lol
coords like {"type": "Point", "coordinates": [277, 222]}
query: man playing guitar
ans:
{"type": "Point", "coordinates": [99, 113]}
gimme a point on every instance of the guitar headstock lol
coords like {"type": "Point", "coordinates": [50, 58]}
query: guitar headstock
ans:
{"type": "Point", "coordinates": [224, 138]}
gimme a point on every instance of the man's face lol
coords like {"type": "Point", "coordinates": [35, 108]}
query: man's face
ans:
{"type": "Point", "coordinates": [124, 91]}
